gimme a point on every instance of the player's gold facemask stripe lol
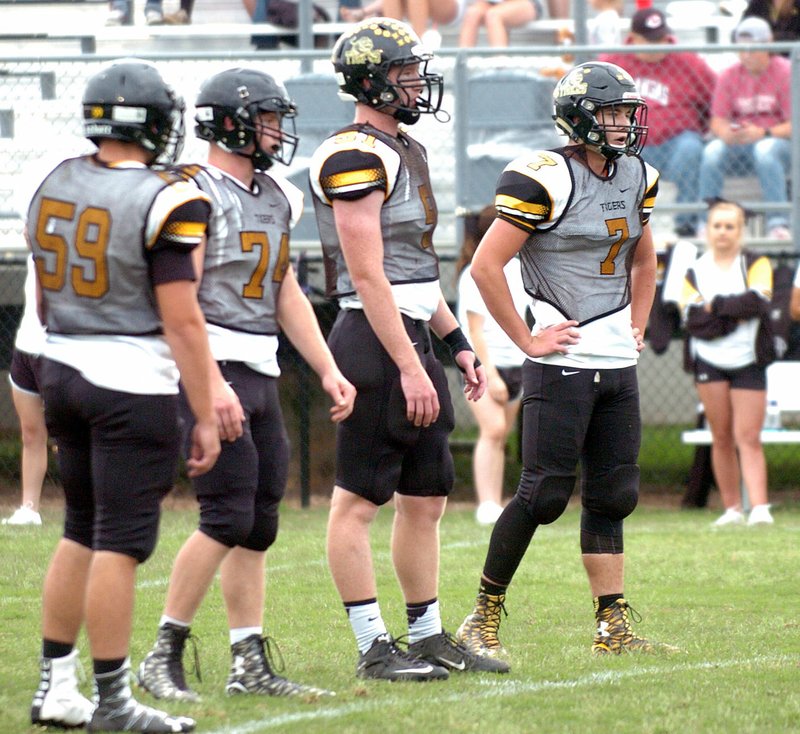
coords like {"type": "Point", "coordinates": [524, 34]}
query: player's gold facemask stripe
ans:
{"type": "Point", "coordinates": [523, 207]}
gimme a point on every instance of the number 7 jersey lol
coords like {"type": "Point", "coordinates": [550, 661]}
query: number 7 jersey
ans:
{"type": "Point", "coordinates": [583, 231]}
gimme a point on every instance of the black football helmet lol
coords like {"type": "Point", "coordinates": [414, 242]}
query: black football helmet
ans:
{"type": "Point", "coordinates": [228, 107]}
{"type": "Point", "coordinates": [367, 53]}
{"type": "Point", "coordinates": [128, 100]}
{"type": "Point", "coordinates": [582, 92]}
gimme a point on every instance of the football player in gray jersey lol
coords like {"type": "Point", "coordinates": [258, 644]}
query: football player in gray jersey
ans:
{"type": "Point", "coordinates": [249, 294]}
{"type": "Point", "coordinates": [376, 216]}
{"type": "Point", "coordinates": [578, 217]}
{"type": "Point", "coordinates": [112, 240]}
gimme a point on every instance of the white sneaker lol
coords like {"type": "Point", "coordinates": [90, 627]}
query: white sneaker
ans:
{"type": "Point", "coordinates": [24, 515]}
{"type": "Point", "coordinates": [58, 702]}
{"type": "Point", "coordinates": [117, 17]}
{"type": "Point", "coordinates": [488, 512]}
{"type": "Point", "coordinates": [731, 516]}
{"type": "Point", "coordinates": [153, 17]}
{"type": "Point", "coordinates": [760, 515]}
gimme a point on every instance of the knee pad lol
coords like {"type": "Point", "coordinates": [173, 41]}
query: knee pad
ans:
{"type": "Point", "coordinates": [545, 498]}
{"type": "Point", "coordinates": [225, 523]}
{"type": "Point", "coordinates": [615, 495]}
{"type": "Point", "coordinates": [79, 525]}
{"type": "Point", "coordinates": [264, 532]}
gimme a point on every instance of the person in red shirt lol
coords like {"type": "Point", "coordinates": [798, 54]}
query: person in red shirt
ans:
{"type": "Point", "coordinates": [751, 124]}
{"type": "Point", "coordinates": [678, 88]}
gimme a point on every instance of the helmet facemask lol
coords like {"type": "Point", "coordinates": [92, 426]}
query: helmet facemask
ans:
{"type": "Point", "coordinates": [287, 139]}
{"type": "Point", "coordinates": [236, 128]}
{"type": "Point", "coordinates": [626, 117]}
{"type": "Point", "coordinates": [385, 93]}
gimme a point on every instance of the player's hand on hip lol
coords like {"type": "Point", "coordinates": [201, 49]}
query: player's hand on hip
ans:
{"type": "Point", "coordinates": [555, 339]}
{"type": "Point", "coordinates": [229, 412]}
{"type": "Point", "coordinates": [638, 337]}
{"type": "Point", "coordinates": [422, 401]}
{"type": "Point", "coordinates": [205, 448]}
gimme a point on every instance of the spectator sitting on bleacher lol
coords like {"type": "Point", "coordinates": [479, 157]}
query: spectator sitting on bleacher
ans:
{"type": "Point", "coordinates": [120, 12]}
{"type": "Point", "coordinates": [498, 16]}
{"type": "Point", "coordinates": [678, 88]}
{"type": "Point", "coordinates": [751, 119]}
{"type": "Point", "coordinates": [726, 301]}
{"type": "Point", "coordinates": [420, 14]}
{"type": "Point", "coordinates": [783, 17]}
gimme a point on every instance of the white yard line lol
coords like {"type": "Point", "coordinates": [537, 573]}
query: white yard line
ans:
{"type": "Point", "coordinates": [494, 688]}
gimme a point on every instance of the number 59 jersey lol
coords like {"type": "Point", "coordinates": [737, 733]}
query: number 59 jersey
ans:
{"type": "Point", "coordinates": [583, 228]}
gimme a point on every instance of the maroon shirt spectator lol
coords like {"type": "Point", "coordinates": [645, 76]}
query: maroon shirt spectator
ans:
{"type": "Point", "coordinates": [678, 88]}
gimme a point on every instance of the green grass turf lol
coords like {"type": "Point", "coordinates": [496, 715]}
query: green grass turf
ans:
{"type": "Point", "coordinates": [729, 599]}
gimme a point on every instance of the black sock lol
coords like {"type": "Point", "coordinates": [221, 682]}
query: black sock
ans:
{"type": "Point", "coordinates": [104, 667]}
{"type": "Point", "coordinates": [487, 587]}
{"type": "Point", "coordinates": [607, 600]}
{"type": "Point", "coordinates": [53, 649]}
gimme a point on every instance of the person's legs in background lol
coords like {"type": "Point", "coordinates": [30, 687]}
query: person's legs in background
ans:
{"type": "Point", "coordinates": [749, 407]}
{"type": "Point", "coordinates": [720, 159]}
{"type": "Point", "coordinates": [679, 160]}
{"type": "Point", "coordinates": [495, 421]}
{"type": "Point", "coordinates": [154, 12]}
{"type": "Point", "coordinates": [716, 399]}
{"type": "Point", "coordinates": [120, 12]}
{"type": "Point", "coordinates": [772, 157]}
{"type": "Point", "coordinates": [30, 409]}
{"type": "Point", "coordinates": [506, 15]}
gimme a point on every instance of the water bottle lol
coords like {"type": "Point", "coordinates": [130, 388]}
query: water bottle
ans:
{"type": "Point", "coordinates": [772, 420]}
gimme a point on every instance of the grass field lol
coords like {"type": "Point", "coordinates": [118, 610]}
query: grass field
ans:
{"type": "Point", "coordinates": [729, 599]}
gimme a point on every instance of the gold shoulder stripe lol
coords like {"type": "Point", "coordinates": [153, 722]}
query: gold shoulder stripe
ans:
{"type": "Point", "coordinates": [352, 178]}
{"type": "Point", "coordinates": [523, 207]}
{"type": "Point", "coordinates": [185, 230]}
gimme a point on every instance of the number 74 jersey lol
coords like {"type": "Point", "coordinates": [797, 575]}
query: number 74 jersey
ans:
{"type": "Point", "coordinates": [583, 229]}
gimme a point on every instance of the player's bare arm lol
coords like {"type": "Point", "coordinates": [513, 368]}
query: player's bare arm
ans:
{"type": "Point", "coordinates": [643, 283]}
{"type": "Point", "coordinates": [185, 332]}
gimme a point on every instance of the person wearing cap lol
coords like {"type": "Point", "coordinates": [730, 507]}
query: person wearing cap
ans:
{"type": "Point", "coordinates": [677, 88]}
{"type": "Point", "coordinates": [783, 17]}
{"type": "Point", "coordinates": [751, 124]}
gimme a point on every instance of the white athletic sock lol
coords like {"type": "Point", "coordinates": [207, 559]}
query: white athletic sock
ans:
{"type": "Point", "coordinates": [366, 622]}
{"type": "Point", "coordinates": [166, 619]}
{"type": "Point", "coordinates": [242, 633]}
{"type": "Point", "coordinates": [424, 621]}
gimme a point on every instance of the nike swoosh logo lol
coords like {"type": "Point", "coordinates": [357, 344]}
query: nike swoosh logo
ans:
{"type": "Point", "coordinates": [450, 664]}
{"type": "Point", "coordinates": [622, 191]}
{"type": "Point", "coordinates": [371, 619]}
{"type": "Point", "coordinates": [567, 374]}
{"type": "Point", "coordinates": [417, 671]}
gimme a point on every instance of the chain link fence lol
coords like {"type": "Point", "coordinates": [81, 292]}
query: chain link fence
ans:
{"type": "Point", "coordinates": [491, 123]}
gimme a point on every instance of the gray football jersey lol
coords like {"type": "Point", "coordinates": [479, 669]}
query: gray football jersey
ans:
{"type": "Point", "coordinates": [357, 161]}
{"type": "Point", "coordinates": [89, 227]}
{"type": "Point", "coordinates": [247, 251]}
{"type": "Point", "coordinates": [584, 229]}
